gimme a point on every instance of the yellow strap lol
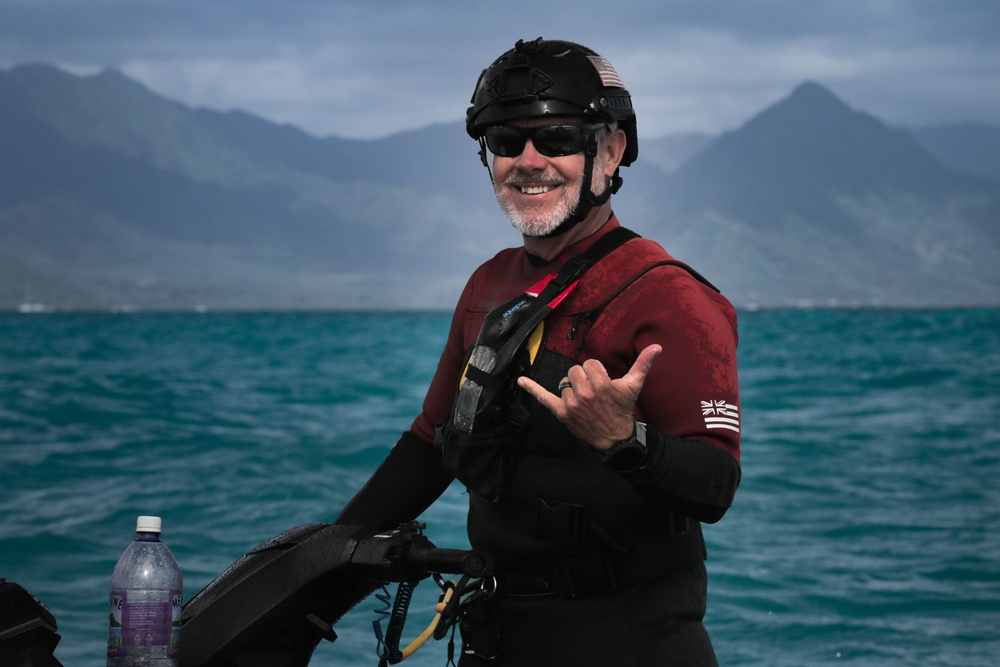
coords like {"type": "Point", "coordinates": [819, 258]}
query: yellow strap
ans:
{"type": "Point", "coordinates": [429, 632]}
{"type": "Point", "coordinates": [535, 341]}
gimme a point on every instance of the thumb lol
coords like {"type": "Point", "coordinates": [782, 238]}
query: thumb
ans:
{"type": "Point", "coordinates": [643, 363]}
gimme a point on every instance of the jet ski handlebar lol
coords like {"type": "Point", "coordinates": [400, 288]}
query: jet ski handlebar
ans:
{"type": "Point", "coordinates": [284, 596]}
{"type": "Point", "coordinates": [405, 554]}
{"type": "Point", "coordinates": [451, 561]}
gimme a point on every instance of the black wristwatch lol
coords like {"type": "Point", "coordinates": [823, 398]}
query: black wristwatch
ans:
{"type": "Point", "coordinates": [628, 454]}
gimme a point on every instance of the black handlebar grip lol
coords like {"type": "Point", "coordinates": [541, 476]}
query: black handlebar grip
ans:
{"type": "Point", "coordinates": [451, 561]}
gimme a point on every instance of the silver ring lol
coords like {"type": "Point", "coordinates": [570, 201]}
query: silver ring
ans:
{"type": "Point", "coordinates": [565, 385]}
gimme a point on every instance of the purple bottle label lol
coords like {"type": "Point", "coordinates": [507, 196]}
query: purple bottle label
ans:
{"type": "Point", "coordinates": [143, 623]}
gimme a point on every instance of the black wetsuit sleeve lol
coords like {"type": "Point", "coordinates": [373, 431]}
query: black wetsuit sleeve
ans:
{"type": "Point", "coordinates": [692, 477]}
{"type": "Point", "coordinates": [410, 479]}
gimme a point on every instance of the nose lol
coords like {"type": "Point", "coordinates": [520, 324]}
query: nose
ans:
{"type": "Point", "coordinates": [530, 159]}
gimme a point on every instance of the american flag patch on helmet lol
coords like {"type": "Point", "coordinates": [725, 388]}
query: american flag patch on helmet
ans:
{"type": "Point", "coordinates": [609, 77]}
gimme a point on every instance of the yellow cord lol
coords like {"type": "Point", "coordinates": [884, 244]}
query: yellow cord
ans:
{"type": "Point", "coordinates": [429, 632]}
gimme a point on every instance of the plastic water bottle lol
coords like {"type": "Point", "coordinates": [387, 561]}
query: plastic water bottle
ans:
{"type": "Point", "coordinates": [146, 595]}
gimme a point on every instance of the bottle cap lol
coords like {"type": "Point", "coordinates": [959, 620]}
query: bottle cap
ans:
{"type": "Point", "coordinates": [148, 524]}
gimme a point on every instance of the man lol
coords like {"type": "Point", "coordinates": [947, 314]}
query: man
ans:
{"type": "Point", "coordinates": [592, 413]}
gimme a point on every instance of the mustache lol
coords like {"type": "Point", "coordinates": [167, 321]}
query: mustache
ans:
{"type": "Point", "coordinates": [519, 178]}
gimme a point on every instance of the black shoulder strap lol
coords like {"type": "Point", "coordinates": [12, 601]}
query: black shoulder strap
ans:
{"type": "Point", "coordinates": [589, 316]}
{"type": "Point", "coordinates": [570, 272]}
{"type": "Point", "coordinates": [608, 242]}
{"type": "Point", "coordinates": [578, 264]}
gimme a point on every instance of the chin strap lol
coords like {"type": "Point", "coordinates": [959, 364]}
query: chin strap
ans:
{"type": "Point", "coordinates": [588, 201]}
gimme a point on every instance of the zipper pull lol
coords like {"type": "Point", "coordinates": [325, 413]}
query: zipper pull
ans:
{"type": "Point", "coordinates": [575, 323]}
{"type": "Point", "coordinates": [572, 328]}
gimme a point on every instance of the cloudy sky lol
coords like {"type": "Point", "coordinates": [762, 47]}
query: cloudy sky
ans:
{"type": "Point", "coordinates": [369, 68]}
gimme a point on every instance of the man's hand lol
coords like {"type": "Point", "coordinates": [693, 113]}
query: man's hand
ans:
{"type": "Point", "coordinates": [595, 408]}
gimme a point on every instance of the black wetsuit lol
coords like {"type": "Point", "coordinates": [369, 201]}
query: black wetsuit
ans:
{"type": "Point", "coordinates": [596, 567]}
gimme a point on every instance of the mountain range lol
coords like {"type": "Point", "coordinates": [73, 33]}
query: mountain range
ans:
{"type": "Point", "coordinates": [113, 197]}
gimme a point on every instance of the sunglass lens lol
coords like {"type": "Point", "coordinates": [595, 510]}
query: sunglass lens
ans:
{"type": "Point", "coordinates": [549, 140]}
{"type": "Point", "coordinates": [558, 140]}
{"type": "Point", "coordinates": [505, 141]}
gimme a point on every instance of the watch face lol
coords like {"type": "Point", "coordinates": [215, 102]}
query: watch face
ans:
{"type": "Point", "coordinates": [628, 456]}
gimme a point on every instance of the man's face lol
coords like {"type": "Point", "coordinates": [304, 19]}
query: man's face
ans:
{"type": "Point", "coordinates": [537, 192]}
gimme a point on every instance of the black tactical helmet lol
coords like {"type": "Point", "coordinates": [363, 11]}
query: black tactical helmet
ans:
{"type": "Point", "coordinates": [552, 78]}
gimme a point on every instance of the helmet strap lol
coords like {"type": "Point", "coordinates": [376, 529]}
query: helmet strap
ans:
{"type": "Point", "coordinates": [483, 155]}
{"type": "Point", "coordinates": [588, 200]}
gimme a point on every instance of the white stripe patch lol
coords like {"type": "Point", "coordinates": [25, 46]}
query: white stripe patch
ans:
{"type": "Point", "coordinates": [719, 414]}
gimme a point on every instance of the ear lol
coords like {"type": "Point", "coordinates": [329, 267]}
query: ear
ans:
{"type": "Point", "coordinates": [613, 147]}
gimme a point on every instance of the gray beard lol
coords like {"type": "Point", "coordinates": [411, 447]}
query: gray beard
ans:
{"type": "Point", "coordinates": [537, 225]}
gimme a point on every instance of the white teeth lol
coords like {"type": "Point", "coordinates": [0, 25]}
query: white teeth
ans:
{"type": "Point", "coordinates": [538, 189]}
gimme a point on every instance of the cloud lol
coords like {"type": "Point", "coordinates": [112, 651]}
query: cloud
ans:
{"type": "Point", "coordinates": [368, 69]}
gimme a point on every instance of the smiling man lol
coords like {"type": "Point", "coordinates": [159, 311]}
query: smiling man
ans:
{"type": "Point", "coordinates": [587, 396]}
{"type": "Point", "coordinates": [539, 192]}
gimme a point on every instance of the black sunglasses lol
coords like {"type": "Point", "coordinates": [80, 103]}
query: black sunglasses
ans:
{"type": "Point", "coordinates": [549, 140]}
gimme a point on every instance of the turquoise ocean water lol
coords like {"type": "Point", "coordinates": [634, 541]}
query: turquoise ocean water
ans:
{"type": "Point", "coordinates": [866, 531]}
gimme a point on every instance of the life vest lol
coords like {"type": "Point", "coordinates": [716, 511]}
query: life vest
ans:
{"type": "Point", "coordinates": [539, 495]}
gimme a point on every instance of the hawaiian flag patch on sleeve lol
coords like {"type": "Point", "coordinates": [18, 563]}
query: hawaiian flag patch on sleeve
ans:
{"type": "Point", "coordinates": [719, 414]}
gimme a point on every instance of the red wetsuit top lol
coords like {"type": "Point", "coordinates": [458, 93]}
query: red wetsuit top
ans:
{"type": "Point", "coordinates": [690, 401]}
